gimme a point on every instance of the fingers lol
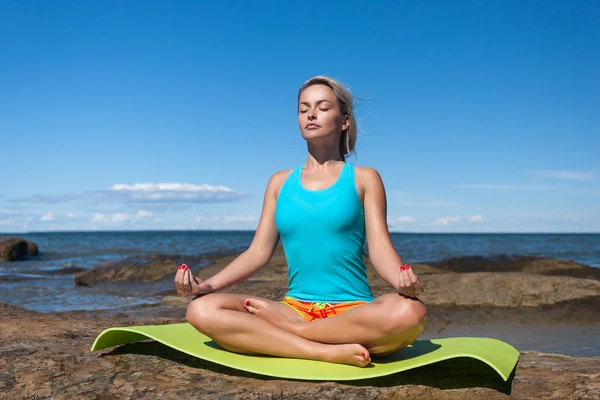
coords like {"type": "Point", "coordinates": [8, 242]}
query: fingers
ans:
{"type": "Point", "coordinates": [179, 281]}
{"type": "Point", "coordinates": [403, 283]}
{"type": "Point", "coordinates": [183, 281]}
{"type": "Point", "coordinates": [414, 279]}
{"type": "Point", "coordinates": [409, 284]}
{"type": "Point", "coordinates": [187, 282]}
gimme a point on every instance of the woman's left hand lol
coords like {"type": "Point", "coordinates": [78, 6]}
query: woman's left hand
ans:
{"type": "Point", "coordinates": [408, 283]}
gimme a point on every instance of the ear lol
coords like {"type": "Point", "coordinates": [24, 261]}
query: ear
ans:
{"type": "Point", "coordinates": [345, 123]}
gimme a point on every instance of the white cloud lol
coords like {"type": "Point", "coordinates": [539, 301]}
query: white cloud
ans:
{"type": "Point", "coordinates": [492, 186]}
{"type": "Point", "coordinates": [428, 203]}
{"type": "Point", "coordinates": [567, 175]}
{"type": "Point", "coordinates": [146, 193]}
{"type": "Point", "coordinates": [401, 220]}
{"type": "Point", "coordinates": [119, 218]}
{"type": "Point", "coordinates": [446, 220]}
{"type": "Point", "coordinates": [239, 218]}
{"type": "Point", "coordinates": [48, 217]}
{"type": "Point", "coordinates": [226, 219]}
{"type": "Point", "coordinates": [153, 192]}
{"type": "Point", "coordinates": [144, 214]}
{"type": "Point", "coordinates": [476, 218]}
{"type": "Point", "coordinates": [98, 218]}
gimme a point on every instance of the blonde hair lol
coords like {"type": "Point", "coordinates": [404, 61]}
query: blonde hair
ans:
{"type": "Point", "coordinates": [345, 102]}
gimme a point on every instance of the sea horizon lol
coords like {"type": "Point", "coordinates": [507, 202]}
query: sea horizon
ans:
{"type": "Point", "coordinates": [254, 230]}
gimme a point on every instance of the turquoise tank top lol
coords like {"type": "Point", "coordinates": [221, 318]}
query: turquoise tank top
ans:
{"type": "Point", "coordinates": [323, 234]}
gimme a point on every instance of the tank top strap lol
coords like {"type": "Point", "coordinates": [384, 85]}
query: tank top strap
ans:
{"type": "Point", "coordinates": [347, 176]}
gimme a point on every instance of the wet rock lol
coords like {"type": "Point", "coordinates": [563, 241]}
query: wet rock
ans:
{"type": "Point", "coordinates": [525, 264]}
{"type": "Point", "coordinates": [511, 289]}
{"type": "Point", "coordinates": [133, 269]}
{"type": "Point", "coordinates": [13, 278]}
{"type": "Point", "coordinates": [65, 271]}
{"type": "Point", "coordinates": [13, 249]}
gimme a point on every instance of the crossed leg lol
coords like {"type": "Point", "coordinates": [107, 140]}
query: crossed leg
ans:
{"type": "Point", "coordinates": [223, 318]}
{"type": "Point", "coordinates": [387, 324]}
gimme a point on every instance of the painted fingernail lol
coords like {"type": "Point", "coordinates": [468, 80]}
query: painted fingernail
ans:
{"type": "Point", "coordinates": [364, 355]}
{"type": "Point", "coordinates": [181, 266]}
{"type": "Point", "coordinates": [247, 302]}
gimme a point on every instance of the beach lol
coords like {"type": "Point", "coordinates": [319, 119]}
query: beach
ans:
{"type": "Point", "coordinates": [548, 308]}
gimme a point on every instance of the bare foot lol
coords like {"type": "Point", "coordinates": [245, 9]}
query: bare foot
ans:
{"type": "Point", "coordinates": [353, 354]}
{"type": "Point", "coordinates": [266, 311]}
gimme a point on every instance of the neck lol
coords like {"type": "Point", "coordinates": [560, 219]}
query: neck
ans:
{"type": "Point", "coordinates": [321, 156]}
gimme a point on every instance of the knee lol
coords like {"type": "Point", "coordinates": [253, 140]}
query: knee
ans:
{"type": "Point", "coordinates": [200, 312]}
{"type": "Point", "coordinates": [406, 314]}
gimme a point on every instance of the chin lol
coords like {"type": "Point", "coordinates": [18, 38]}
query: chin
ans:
{"type": "Point", "coordinates": [316, 134]}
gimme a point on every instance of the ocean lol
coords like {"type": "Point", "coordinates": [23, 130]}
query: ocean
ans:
{"type": "Point", "coordinates": [36, 285]}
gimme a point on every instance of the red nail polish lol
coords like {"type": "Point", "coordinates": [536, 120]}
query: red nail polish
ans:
{"type": "Point", "coordinates": [364, 355]}
{"type": "Point", "coordinates": [247, 302]}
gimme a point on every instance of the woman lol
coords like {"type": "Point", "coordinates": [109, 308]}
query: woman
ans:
{"type": "Point", "coordinates": [321, 211]}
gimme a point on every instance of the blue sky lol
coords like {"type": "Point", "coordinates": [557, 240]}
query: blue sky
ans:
{"type": "Point", "coordinates": [479, 116]}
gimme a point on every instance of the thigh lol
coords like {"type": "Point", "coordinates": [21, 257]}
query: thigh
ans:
{"type": "Point", "coordinates": [233, 301]}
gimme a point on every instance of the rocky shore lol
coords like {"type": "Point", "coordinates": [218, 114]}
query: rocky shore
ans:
{"type": "Point", "coordinates": [46, 356]}
{"type": "Point", "coordinates": [13, 249]}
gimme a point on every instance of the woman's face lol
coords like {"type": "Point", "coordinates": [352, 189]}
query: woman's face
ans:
{"type": "Point", "coordinates": [319, 114]}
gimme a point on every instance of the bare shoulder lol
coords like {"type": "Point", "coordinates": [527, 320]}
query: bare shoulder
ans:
{"type": "Point", "coordinates": [367, 177]}
{"type": "Point", "coordinates": [276, 181]}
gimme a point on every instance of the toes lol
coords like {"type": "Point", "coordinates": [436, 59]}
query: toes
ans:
{"type": "Point", "coordinates": [251, 309]}
{"type": "Point", "coordinates": [249, 306]}
{"type": "Point", "coordinates": [365, 357]}
{"type": "Point", "coordinates": [256, 303]}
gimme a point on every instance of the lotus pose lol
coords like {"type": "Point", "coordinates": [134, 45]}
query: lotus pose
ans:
{"type": "Point", "coordinates": [322, 211]}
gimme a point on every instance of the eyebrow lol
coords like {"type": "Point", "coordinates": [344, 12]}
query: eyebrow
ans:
{"type": "Point", "coordinates": [306, 103]}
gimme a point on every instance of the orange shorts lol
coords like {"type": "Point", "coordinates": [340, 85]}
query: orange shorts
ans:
{"type": "Point", "coordinates": [312, 311]}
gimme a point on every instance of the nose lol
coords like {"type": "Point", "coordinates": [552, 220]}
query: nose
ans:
{"type": "Point", "coordinates": [311, 114]}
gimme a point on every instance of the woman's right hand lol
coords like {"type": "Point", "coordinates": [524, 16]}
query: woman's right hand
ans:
{"type": "Point", "coordinates": [188, 285]}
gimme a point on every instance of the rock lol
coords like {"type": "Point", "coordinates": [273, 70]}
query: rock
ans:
{"type": "Point", "coordinates": [442, 287]}
{"type": "Point", "coordinates": [133, 269]}
{"type": "Point", "coordinates": [526, 264]}
{"type": "Point", "coordinates": [12, 249]}
{"type": "Point", "coordinates": [64, 271]}
{"type": "Point", "coordinates": [12, 278]}
{"type": "Point", "coordinates": [54, 361]}
{"type": "Point", "coordinates": [511, 289]}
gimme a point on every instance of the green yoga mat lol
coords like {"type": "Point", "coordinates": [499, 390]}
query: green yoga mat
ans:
{"type": "Point", "coordinates": [501, 356]}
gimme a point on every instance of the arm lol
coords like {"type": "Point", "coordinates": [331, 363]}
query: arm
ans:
{"type": "Point", "coordinates": [263, 244]}
{"type": "Point", "coordinates": [384, 257]}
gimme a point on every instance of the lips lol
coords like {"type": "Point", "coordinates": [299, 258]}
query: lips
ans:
{"type": "Point", "coordinates": [312, 126]}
